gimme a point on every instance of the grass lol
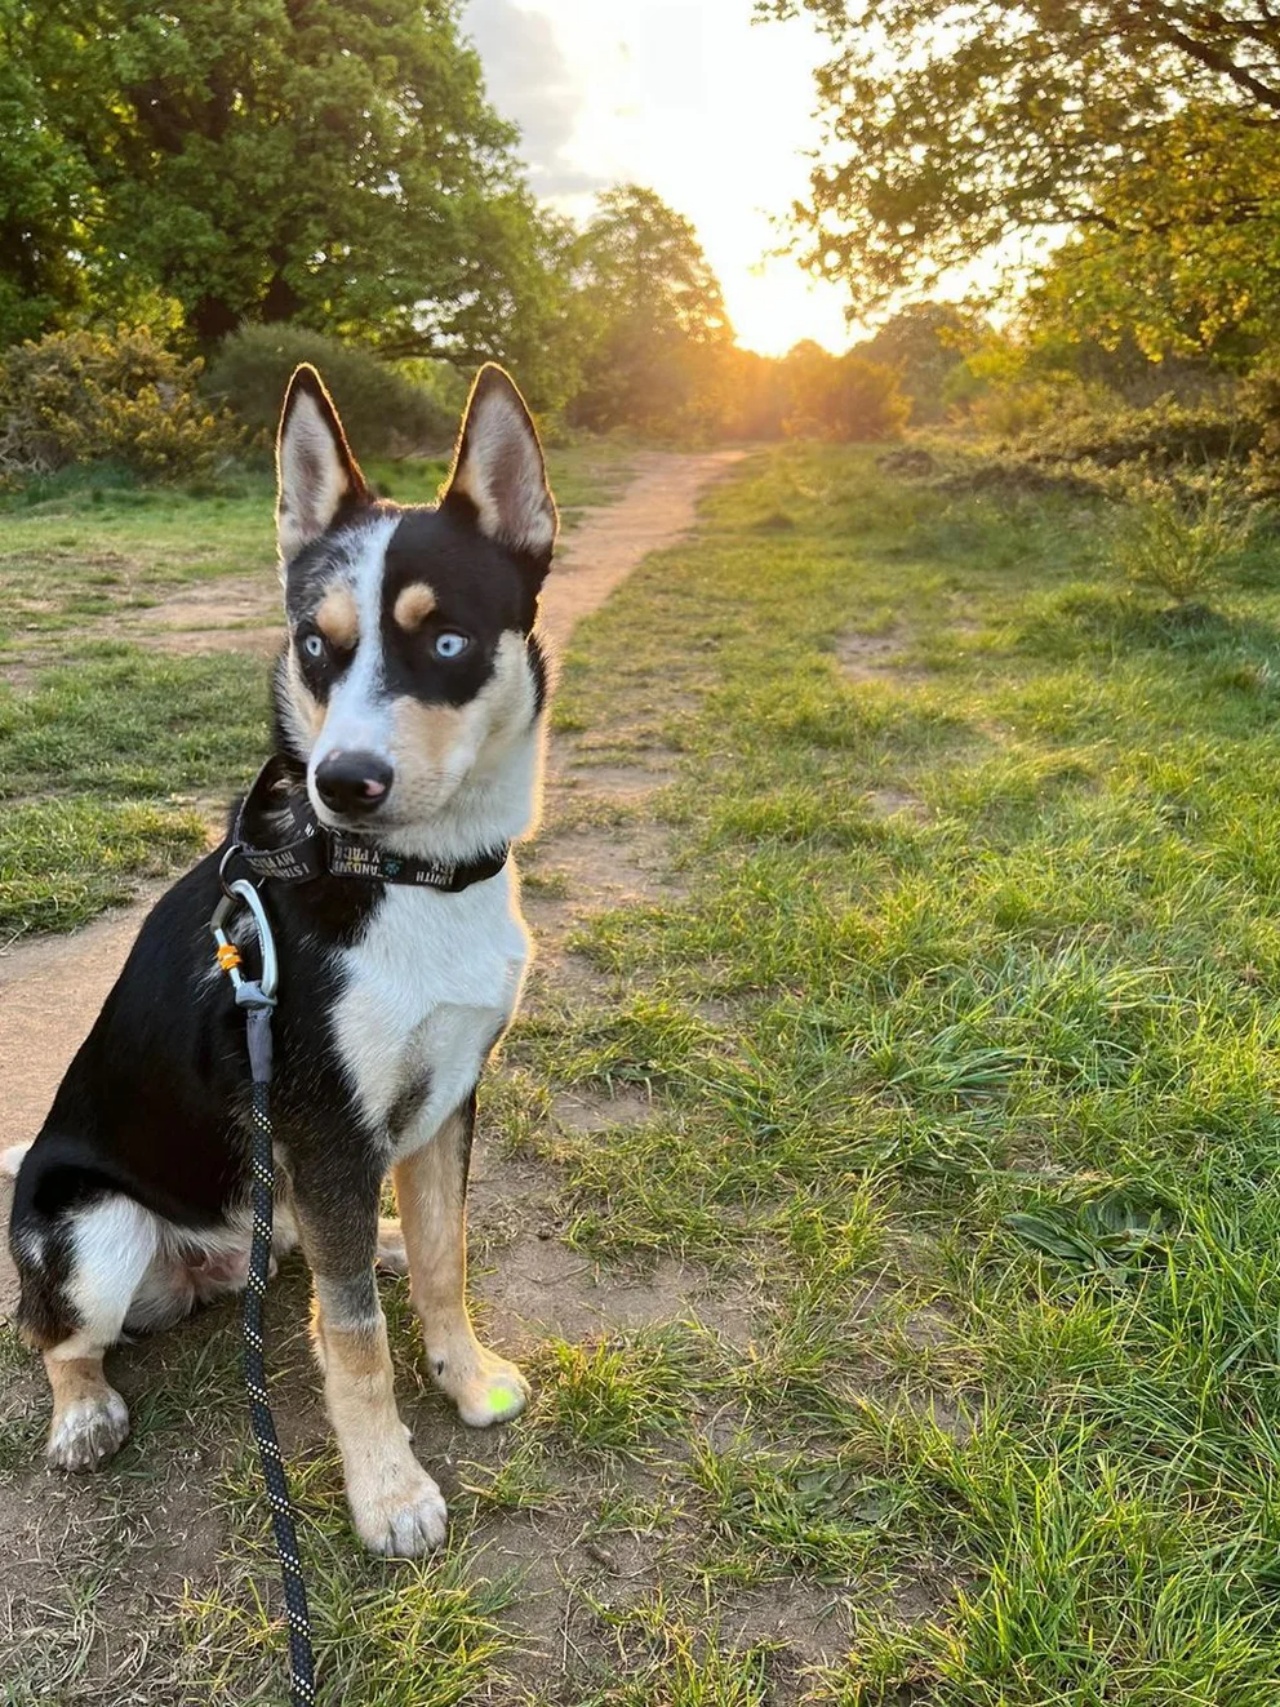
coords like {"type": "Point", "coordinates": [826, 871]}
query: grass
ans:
{"type": "Point", "coordinates": [955, 1030]}
{"type": "Point", "coordinates": [111, 768]}
{"type": "Point", "coordinates": [616, 1396]}
{"type": "Point", "coordinates": [115, 759]}
{"type": "Point", "coordinates": [988, 1113]}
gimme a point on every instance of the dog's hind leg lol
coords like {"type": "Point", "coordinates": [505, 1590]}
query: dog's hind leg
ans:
{"type": "Point", "coordinates": [431, 1188]}
{"type": "Point", "coordinates": [78, 1280]}
{"type": "Point", "coordinates": [90, 1419]}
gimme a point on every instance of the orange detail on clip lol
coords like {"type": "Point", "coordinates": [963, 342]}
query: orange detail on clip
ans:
{"type": "Point", "coordinates": [228, 956]}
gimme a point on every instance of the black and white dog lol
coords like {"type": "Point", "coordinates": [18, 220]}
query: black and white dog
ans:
{"type": "Point", "coordinates": [409, 705]}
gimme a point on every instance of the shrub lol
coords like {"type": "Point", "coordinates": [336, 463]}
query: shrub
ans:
{"type": "Point", "coordinates": [1163, 434]}
{"type": "Point", "coordinates": [842, 398]}
{"type": "Point", "coordinates": [118, 397]}
{"type": "Point", "coordinates": [1178, 542]}
{"type": "Point", "coordinates": [384, 413]}
{"type": "Point", "coordinates": [1263, 393]}
{"type": "Point", "coordinates": [1004, 390]}
{"type": "Point", "coordinates": [1008, 473]}
{"type": "Point", "coordinates": [1018, 409]}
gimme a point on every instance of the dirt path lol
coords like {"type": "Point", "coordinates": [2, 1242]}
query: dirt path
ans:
{"type": "Point", "coordinates": [50, 991]}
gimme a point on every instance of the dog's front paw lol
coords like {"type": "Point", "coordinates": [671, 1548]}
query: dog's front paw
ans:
{"type": "Point", "coordinates": [403, 1520]}
{"type": "Point", "coordinates": [485, 1387]}
{"type": "Point", "coordinates": [88, 1432]}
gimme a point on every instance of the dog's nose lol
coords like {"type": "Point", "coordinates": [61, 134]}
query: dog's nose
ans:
{"type": "Point", "coordinates": [353, 783]}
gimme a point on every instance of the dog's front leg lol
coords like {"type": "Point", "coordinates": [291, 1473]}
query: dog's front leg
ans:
{"type": "Point", "coordinates": [396, 1507]}
{"type": "Point", "coordinates": [431, 1189]}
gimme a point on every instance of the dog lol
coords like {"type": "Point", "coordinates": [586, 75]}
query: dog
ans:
{"type": "Point", "coordinates": [409, 705]}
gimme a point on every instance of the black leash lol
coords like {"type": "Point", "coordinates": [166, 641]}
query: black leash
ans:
{"type": "Point", "coordinates": [309, 850]}
{"type": "Point", "coordinates": [258, 999]}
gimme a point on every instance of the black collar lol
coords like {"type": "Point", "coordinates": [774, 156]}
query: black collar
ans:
{"type": "Point", "coordinates": [310, 849]}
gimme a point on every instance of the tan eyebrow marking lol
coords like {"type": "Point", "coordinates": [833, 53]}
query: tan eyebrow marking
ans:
{"type": "Point", "coordinates": [415, 605]}
{"type": "Point", "coordinates": [338, 619]}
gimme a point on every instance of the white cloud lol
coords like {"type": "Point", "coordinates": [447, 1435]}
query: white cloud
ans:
{"type": "Point", "coordinates": [532, 83]}
{"type": "Point", "coordinates": [689, 98]}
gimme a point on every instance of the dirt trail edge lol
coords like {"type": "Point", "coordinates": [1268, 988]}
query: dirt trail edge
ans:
{"type": "Point", "coordinates": [51, 990]}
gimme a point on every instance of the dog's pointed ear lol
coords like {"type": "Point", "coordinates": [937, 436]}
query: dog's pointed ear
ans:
{"type": "Point", "coordinates": [317, 476]}
{"type": "Point", "coordinates": [499, 478]}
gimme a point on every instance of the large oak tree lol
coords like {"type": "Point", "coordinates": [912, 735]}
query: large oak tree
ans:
{"type": "Point", "coordinates": [329, 162]}
{"type": "Point", "coordinates": [949, 129]}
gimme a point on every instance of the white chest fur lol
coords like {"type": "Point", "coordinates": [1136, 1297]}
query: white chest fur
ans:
{"type": "Point", "coordinates": [425, 992]}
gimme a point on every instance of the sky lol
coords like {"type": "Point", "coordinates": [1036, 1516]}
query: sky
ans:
{"type": "Point", "coordinates": [689, 98]}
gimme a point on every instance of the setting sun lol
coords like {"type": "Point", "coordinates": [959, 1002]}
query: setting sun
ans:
{"type": "Point", "coordinates": [693, 100]}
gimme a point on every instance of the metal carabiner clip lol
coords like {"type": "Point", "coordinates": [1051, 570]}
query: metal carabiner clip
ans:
{"type": "Point", "coordinates": [264, 988]}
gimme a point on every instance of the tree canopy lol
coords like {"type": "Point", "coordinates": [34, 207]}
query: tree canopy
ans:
{"type": "Point", "coordinates": [321, 161]}
{"type": "Point", "coordinates": [923, 343]}
{"type": "Point", "coordinates": [1186, 260]}
{"type": "Point", "coordinates": [43, 184]}
{"type": "Point", "coordinates": [653, 320]}
{"type": "Point", "coordinates": [949, 130]}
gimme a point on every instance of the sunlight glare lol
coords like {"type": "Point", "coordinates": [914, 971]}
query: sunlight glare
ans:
{"type": "Point", "coordinates": [710, 111]}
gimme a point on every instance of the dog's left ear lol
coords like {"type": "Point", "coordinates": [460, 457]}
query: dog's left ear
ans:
{"type": "Point", "coordinates": [499, 479]}
{"type": "Point", "coordinates": [318, 476]}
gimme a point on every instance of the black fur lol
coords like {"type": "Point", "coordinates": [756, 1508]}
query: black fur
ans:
{"type": "Point", "coordinates": [408, 1104]}
{"type": "Point", "coordinates": [480, 588]}
{"type": "Point", "coordinates": [155, 1103]}
{"type": "Point", "coordinates": [541, 681]}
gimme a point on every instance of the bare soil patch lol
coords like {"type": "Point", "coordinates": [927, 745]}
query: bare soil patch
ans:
{"type": "Point", "coordinates": [895, 802]}
{"type": "Point", "coordinates": [239, 613]}
{"type": "Point", "coordinates": [875, 658]}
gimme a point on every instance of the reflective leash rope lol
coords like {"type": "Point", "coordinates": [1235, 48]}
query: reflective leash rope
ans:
{"type": "Point", "coordinates": [258, 999]}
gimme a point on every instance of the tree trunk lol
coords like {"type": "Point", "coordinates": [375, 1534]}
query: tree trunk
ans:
{"type": "Point", "coordinates": [212, 319]}
{"type": "Point", "coordinates": [280, 302]}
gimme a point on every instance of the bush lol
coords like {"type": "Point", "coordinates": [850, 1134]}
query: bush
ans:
{"type": "Point", "coordinates": [1178, 543]}
{"type": "Point", "coordinates": [1004, 391]}
{"type": "Point", "coordinates": [118, 397]}
{"type": "Point", "coordinates": [384, 413]}
{"type": "Point", "coordinates": [1263, 394]}
{"type": "Point", "coordinates": [999, 393]}
{"type": "Point", "coordinates": [843, 399]}
{"type": "Point", "coordinates": [1162, 435]}
{"type": "Point", "coordinates": [1003, 473]}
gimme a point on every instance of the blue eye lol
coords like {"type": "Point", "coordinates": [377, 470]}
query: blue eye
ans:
{"type": "Point", "coordinates": [450, 644]}
{"type": "Point", "coordinates": [313, 646]}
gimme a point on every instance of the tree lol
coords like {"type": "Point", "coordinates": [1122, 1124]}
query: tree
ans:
{"type": "Point", "coordinates": [841, 398]}
{"type": "Point", "coordinates": [924, 343]}
{"type": "Point", "coordinates": [522, 312]}
{"type": "Point", "coordinates": [328, 162]}
{"type": "Point", "coordinates": [654, 321]}
{"type": "Point", "coordinates": [43, 182]}
{"type": "Point", "coordinates": [755, 396]}
{"type": "Point", "coordinates": [1186, 261]}
{"type": "Point", "coordinates": [949, 130]}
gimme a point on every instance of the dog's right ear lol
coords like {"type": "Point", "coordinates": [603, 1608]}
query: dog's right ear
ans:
{"type": "Point", "coordinates": [317, 476]}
